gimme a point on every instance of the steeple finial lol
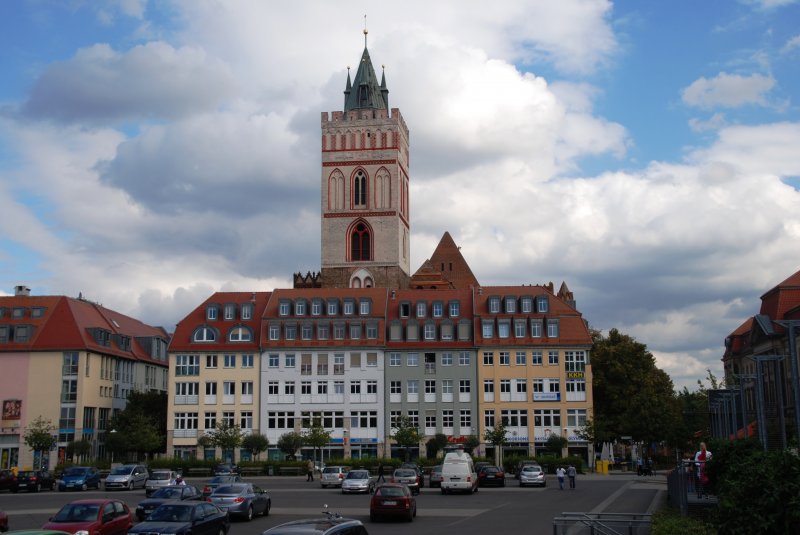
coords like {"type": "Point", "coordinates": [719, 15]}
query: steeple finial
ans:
{"type": "Point", "coordinates": [365, 31]}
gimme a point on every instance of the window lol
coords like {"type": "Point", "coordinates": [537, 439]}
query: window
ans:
{"type": "Point", "coordinates": [348, 307]}
{"type": "Point", "coordinates": [230, 312]}
{"type": "Point", "coordinates": [505, 358]}
{"type": "Point", "coordinates": [421, 309]}
{"type": "Point", "coordinates": [430, 331]}
{"type": "Point", "coordinates": [541, 304]}
{"type": "Point", "coordinates": [288, 388]}
{"type": "Point", "coordinates": [447, 418]}
{"type": "Point", "coordinates": [246, 420]}
{"type": "Point", "coordinates": [454, 309]}
{"type": "Point", "coordinates": [210, 420]}
{"type": "Point", "coordinates": [447, 386]}
{"type": "Point", "coordinates": [307, 331]}
{"type": "Point", "coordinates": [521, 358]}
{"type": "Point", "coordinates": [536, 328]}
{"type": "Point", "coordinates": [338, 331]}
{"type": "Point", "coordinates": [464, 386]}
{"type": "Point", "coordinates": [538, 385]}
{"type": "Point", "coordinates": [488, 358]}
{"type": "Point", "coordinates": [211, 312]}
{"type": "Point", "coordinates": [413, 386]}
{"type": "Point", "coordinates": [527, 305]}
{"type": "Point", "coordinates": [338, 364]}
{"type": "Point", "coordinates": [185, 420]}
{"type": "Point", "coordinates": [430, 386]}
{"type": "Point", "coordinates": [316, 307]}
{"type": "Point", "coordinates": [211, 388]}
{"type": "Point", "coordinates": [510, 305]}
{"type": "Point", "coordinates": [547, 418]}
{"type": "Point", "coordinates": [464, 358]}
{"type": "Point", "coordinates": [372, 360]}
{"type": "Point", "coordinates": [372, 330]}
{"type": "Point", "coordinates": [488, 418]}
{"type": "Point", "coordinates": [283, 308]}
{"type": "Point", "coordinates": [228, 418]}
{"type": "Point", "coordinates": [185, 365]}
{"type": "Point", "coordinates": [554, 385]}
{"type": "Point", "coordinates": [360, 243]}
{"type": "Point", "coordinates": [519, 328]}
{"type": "Point", "coordinates": [552, 328]}
{"type": "Point", "coordinates": [229, 388]}
{"type": "Point", "coordinates": [413, 418]}
{"type": "Point", "coordinates": [404, 309]}
{"type": "Point", "coordinates": [552, 357]}
{"type": "Point", "coordinates": [355, 331]}
{"type": "Point", "coordinates": [446, 330]}
{"type": "Point", "coordinates": [465, 420]}
{"type": "Point", "coordinates": [240, 334]}
{"type": "Point", "coordinates": [230, 361]}
{"type": "Point", "coordinates": [322, 364]}
{"type": "Point", "coordinates": [247, 311]}
{"type": "Point", "coordinates": [360, 188]}
{"type": "Point", "coordinates": [437, 309]}
{"type": "Point", "coordinates": [305, 388]}
{"type": "Point", "coordinates": [289, 361]}
{"type": "Point", "coordinates": [305, 364]}
{"type": "Point", "coordinates": [355, 387]}
{"type": "Point", "coordinates": [536, 358]}
{"type": "Point", "coordinates": [322, 331]}
{"type": "Point", "coordinates": [247, 389]}
{"type": "Point", "coordinates": [576, 417]}
{"type": "Point", "coordinates": [322, 387]}
{"type": "Point", "coordinates": [394, 359]}
{"type": "Point", "coordinates": [338, 387]}
{"type": "Point", "coordinates": [274, 360]}
{"type": "Point", "coordinates": [505, 386]}
{"type": "Point", "coordinates": [372, 387]}
{"type": "Point", "coordinates": [412, 359]}
{"type": "Point", "coordinates": [290, 331]}
{"type": "Point", "coordinates": [300, 308]}
{"type": "Point", "coordinates": [522, 386]}
{"type": "Point", "coordinates": [205, 334]}
{"type": "Point", "coordinates": [488, 386]}
{"type": "Point", "coordinates": [274, 331]}
{"type": "Point", "coordinates": [211, 361]}
{"type": "Point", "coordinates": [333, 307]}
{"type": "Point", "coordinates": [273, 388]}
{"type": "Point", "coordinates": [494, 305]}
{"type": "Point", "coordinates": [364, 307]}
{"type": "Point", "coordinates": [575, 361]}
{"type": "Point", "coordinates": [430, 420]}
{"type": "Point", "coordinates": [487, 328]}
{"type": "Point", "coordinates": [447, 359]}
{"type": "Point", "coordinates": [280, 420]}
{"type": "Point", "coordinates": [514, 417]}
{"type": "Point", "coordinates": [395, 387]}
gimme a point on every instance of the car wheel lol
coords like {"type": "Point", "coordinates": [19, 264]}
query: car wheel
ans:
{"type": "Point", "coordinates": [84, 486]}
{"type": "Point", "coordinates": [37, 488]}
{"type": "Point", "coordinates": [324, 486]}
{"type": "Point", "coordinates": [130, 485]}
{"type": "Point", "coordinates": [249, 515]}
{"type": "Point", "coordinates": [269, 506]}
{"type": "Point", "coordinates": [410, 517]}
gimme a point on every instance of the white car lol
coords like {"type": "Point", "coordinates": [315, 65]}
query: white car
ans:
{"type": "Point", "coordinates": [159, 479]}
{"type": "Point", "coordinates": [357, 481]}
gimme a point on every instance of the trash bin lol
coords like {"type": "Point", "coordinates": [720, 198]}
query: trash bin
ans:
{"type": "Point", "coordinates": [270, 470]}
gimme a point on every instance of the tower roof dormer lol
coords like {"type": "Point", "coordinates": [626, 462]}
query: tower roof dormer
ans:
{"type": "Point", "coordinates": [366, 91]}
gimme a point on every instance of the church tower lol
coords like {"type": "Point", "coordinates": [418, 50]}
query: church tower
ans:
{"type": "Point", "coordinates": [365, 204]}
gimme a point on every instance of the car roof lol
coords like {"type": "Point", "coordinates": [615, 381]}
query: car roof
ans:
{"type": "Point", "coordinates": [311, 526]}
{"type": "Point", "coordinates": [92, 501]}
{"type": "Point", "coordinates": [37, 532]}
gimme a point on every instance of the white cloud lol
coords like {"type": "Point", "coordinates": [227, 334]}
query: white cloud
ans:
{"type": "Point", "coordinates": [715, 122]}
{"type": "Point", "coordinates": [728, 91]}
{"type": "Point", "coordinates": [791, 45]}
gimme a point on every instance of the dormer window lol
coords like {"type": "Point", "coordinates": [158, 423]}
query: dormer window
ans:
{"type": "Point", "coordinates": [18, 312]}
{"type": "Point", "coordinates": [494, 305]}
{"type": "Point", "coordinates": [247, 311]}
{"type": "Point", "coordinates": [511, 305]}
{"type": "Point", "coordinates": [230, 311]}
{"type": "Point", "coordinates": [204, 334]}
{"type": "Point", "coordinates": [316, 307]}
{"type": "Point", "coordinates": [541, 304]}
{"type": "Point", "coordinates": [437, 309]}
{"type": "Point", "coordinates": [405, 309]}
{"type": "Point", "coordinates": [527, 305]}
{"type": "Point", "coordinates": [212, 312]}
{"type": "Point", "coordinates": [333, 307]}
{"type": "Point", "coordinates": [421, 309]}
{"type": "Point", "coordinates": [37, 312]}
{"type": "Point", "coordinates": [348, 307]}
{"type": "Point", "coordinates": [240, 334]}
{"type": "Point", "coordinates": [455, 309]}
{"type": "Point", "coordinates": [300, 308]}
{"type": "Point", "coordinates": [365, 307]}
{"type": "Point", "coordinates": [284, 308]}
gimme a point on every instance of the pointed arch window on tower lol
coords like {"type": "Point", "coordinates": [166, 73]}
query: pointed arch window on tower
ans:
{"type": "Point", "coordinates": [360, 242]}
{"type": "Point", "coordinates": [360, 190]}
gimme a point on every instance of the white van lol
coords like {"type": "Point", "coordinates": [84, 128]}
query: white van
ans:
{"type": "Point", "coordinates": [458, 473]}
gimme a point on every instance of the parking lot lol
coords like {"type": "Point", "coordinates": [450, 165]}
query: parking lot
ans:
{"type": "Point", "coordinates": [507, 509]}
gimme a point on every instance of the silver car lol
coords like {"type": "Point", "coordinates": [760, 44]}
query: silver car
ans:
{"type": "Point", "coordinates": [159, 479]}
{"type": "Point", "coordinates": [357, 481]}
{"type": "Point", "coordinates": [532, 474]}
{"type": "Point", "coordinates": [127, 476]}
{"type": "Point", "coordinates": [332, 476]}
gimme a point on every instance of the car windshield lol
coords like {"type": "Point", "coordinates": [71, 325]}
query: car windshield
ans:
{"type": "Point", "coordinates": [160, 475]}
{"type": "Point", "coordinates": [121, 470]}
{"type": "Point", "coordinates": [167, 492]}
{"type": "Point", "coordinates": [437, 468]}
{"type": "Point", "coordinates": [390, 491]}
{"type": "Point", "coordinates": [531, 468]}
{"type": "Point", "coordinates": [331, 470]}
{"type": "Point", "coordinates": [358, 474]}
{"type": "Point", "coordinates": [77, 513]}
{"type": "Point", "coordinates": [219, 480]}
{"type": "Point", "coordinates": [405, 473]}
{"type": "Point", "coordinates": [171, 513]}
{"type": "Point", "coordinates": [75, 471]}
{"type": "Point", "coordinates": [26, 473]}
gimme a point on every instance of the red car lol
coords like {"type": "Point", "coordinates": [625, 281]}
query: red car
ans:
{"type": "Point", "coordinates": [3, 521]}
{"type": "Point", "coordinates": [93, 517]}
{"type": "Point", "coordinates": [393, 499]}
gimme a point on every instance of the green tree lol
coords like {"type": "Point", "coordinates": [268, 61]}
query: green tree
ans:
{"type": "Point", "coordinates": [79, 448]}
{"type": "Point", "coordinates": [290, 443]}
{"type": "Point", "coordinates": [556, 444]}
{"type": "Point", "coordinates": [631, 395]}
{"type": "Point", "coordinates": [255, 443]}
{"type": "Point", "coordinates": [470, 443]}
{"type": "Point", "coordinates": [226, 437]}
{"type": "Point", "coordinates": [497, 438]}
{"type": "Point", "coordinates": [435, 444]}
{"type": "Point", "coordinates": [39, 438]}
{"type": "Point", "coordinates": [406, 435]}
{"type": "Point", "coordinates": [316, 436]}
{"type": "Point", "coordinates": [141, 427]}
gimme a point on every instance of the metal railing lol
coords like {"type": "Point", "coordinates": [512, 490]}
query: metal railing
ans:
{"type": "Point", "coordinates": [602, 523]}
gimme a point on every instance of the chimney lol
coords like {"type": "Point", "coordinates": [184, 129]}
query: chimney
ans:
{"type": "Point", "coordinates": [20, 291]}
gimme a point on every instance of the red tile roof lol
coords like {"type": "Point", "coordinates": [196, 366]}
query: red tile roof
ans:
{"type": "Point", "coordinates": [450, 263]}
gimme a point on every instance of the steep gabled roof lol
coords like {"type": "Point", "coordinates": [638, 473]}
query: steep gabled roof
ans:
{"type": "Point", "coordinates": [782, 298]}
{"type": "Point", "coordinates": [452, 266]}
{"type": "Point", "coordinates": [365, 91]}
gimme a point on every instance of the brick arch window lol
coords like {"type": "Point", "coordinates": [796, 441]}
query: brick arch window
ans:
{"type": "Point", "coordinates": [383, 188]}
{"type": "Point", "coordinates": [360, 241]}
{"type": "Point", "coordinates": [360, 189]}
{"type": "Point", "coordinates": [336, 191]}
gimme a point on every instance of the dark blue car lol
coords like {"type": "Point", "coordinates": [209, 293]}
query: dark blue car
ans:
{"type": "Point", "coordinates": [79, 478]}
{"type": "Point", "coordinates": [183, 518]}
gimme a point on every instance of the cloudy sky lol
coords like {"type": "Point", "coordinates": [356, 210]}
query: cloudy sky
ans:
{"type": "Point", "coordinates": [647, 153]}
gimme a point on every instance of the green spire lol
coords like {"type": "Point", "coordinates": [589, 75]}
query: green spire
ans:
{"type": "Point", "coordinates": [365, 91]}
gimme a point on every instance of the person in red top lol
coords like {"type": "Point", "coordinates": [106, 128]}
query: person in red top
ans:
{"type": "Point", "coordinates": [700, 459]}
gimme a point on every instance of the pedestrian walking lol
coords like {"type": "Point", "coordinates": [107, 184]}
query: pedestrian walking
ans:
{"type": "Point", "coordinates": [571, 473]}
{"type": "Point", "coordinates": [310, 470]}
{"type": "Point", "coordinates": [380, 474]}
{"type": "Point", "coordinates": [560, 473]}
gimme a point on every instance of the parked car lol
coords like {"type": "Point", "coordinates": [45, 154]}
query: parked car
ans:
{"type": "Point", "coordinates": [184, 518]}
{"type": "Point", "coordinates": [127, 476]}
{"type": "Point", "coordinates": [393, 500]}
{"type": "Point", "coordinates": [532, 474]}
{"type": "Point", "coordinates": [458, 473]}
{"type": "Point", "coordinates": [241, 499]}
{"type": "Point", "coordinates": [79, 477]}
{"type": "Point", "coordinates": [165, 494]}
{"type": "Point", "coordinates": [3, 521]}
{"type": "Point", "coordinates": [357, 481]}
{"type": "Point", "coordinates": [332, 476]}
{"type": "Point", "coordinates": [491, 476]}
{"type": "Point", "coordinates": [522, 464]}
{"type": "Point", "coordinates": [436, 476]}
{"type": "Point", "coordinates": [419, 471]}
{"type": "Point", "coordinates": [408, 477]}
{"type": "Point", "coordinates": [34, 481]}
{"type": "Point", "coordinates": [93, 516]}
{"type": "Point", "coordinates": [6, 479]}
{"type": "Point", "coordinates": [330, 524]}
{"type": "Point", "coordinates": [226, 469]}
{"type": "Point", "coordinates": [481, 464]}
{"type": "Point", "coordinates": [159, 479]}
{"type": "Point", "coordinates": [216, 481]}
